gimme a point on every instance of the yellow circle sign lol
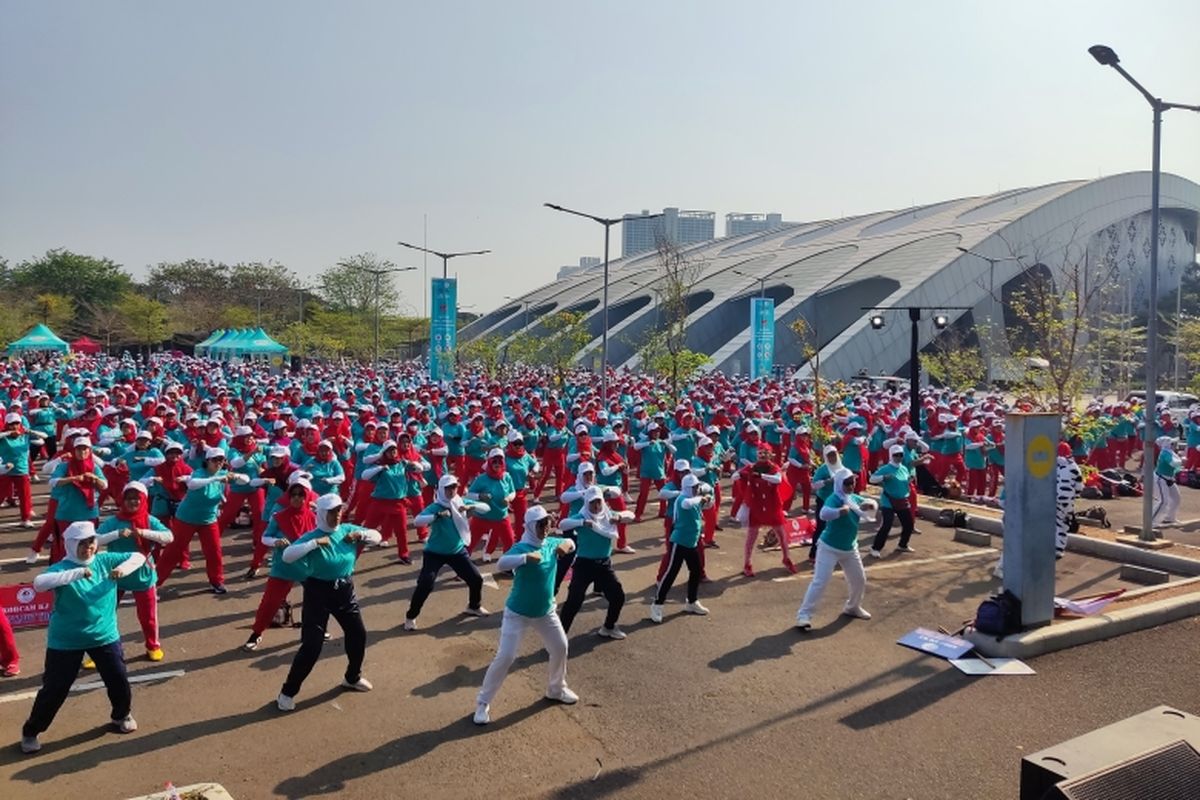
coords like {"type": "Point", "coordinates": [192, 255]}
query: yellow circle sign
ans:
{"type": "Point", "coordinates": [1039, 456]}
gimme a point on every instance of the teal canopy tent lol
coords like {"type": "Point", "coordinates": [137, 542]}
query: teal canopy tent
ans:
{"type": "Point", "coordinates": [202, 347]}
{"type": "Point", "coordinates": [39, 339]}
{"type": "Point", "coordinates": [242, 343]}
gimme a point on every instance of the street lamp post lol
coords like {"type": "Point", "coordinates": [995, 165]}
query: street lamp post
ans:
{"type": "Point", "coordinates": [445, 257]}
{"type": "Point", "coordinates": [607, 222]}
{"type": "Point", "coordinates": [940, 321]}
{"type": "Point", "coordinates": [525, 303]}
{"type": "Point", "coordinates": [992, 262]}
{"type": "Point", "coordinates": [378, 273]}
{"type": "Point", "coordinates": [1105, 56]}
{"type": "Point", "coordinates": [762, 280]}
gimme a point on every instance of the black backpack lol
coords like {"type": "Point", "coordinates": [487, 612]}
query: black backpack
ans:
{"type": "Point", "coordinates": [952, 518]}
{"type": "Point", "coordinates": [999, 615]}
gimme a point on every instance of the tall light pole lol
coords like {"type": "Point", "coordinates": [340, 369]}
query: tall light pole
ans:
{"type": "Point", "coordinates": [303, 290]}
{"type": "Point", "coordinates": [992, 262]}
{"type": "Point", "coordinates": [525, 303]}
{"type": "Point", "coordinates": [762, 280]}
{"type": "Point", "coordinates": [445, 257]}
{"type": "Point", "coordinates": [378, 273]}
{"type": "Point", "coordinates": [1105, 56]}
{"type": "Point", "coordinates": [607, 222]}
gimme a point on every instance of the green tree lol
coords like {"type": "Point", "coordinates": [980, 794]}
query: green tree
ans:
{"type": "Point", "coordinates": [79, 277]}
{"type": "Point", "coordinates": [483, 352]}
{"type": "Point", "coordinates": [953, 363]}
{"type": "Point", "coordinates": [557, 342]}
{"type": "Point", "coordinates": [350, 286]}
{"type": "Point", "coordinates": [56, 311]}
{"type": "Point", "coordinates": [237, 317]}
{"type": "Point", "coordinates": [145, 319]}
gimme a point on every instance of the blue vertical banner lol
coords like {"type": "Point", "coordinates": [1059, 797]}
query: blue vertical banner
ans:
{"type": "Point", "coordinates": [762, 337]}
{"type": "Point", "coordinates": [443, 329]}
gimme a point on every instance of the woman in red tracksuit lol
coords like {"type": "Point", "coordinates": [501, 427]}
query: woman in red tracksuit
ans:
{"type": "Point", "coordinates": [287, 525]}
{"type": "Point", "coordinates": [763, 488]}
{"type": "Point", "coordinates": [799, 469]}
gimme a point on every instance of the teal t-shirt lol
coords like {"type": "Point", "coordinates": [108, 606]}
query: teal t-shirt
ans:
{"type": "Point", "coordinates": [202, 506]}
{"type": "Point", "coordinates": [654, 457]}
{"type": "Point", "coordinates": [518, 469]}
{"type": "Point", "coordinates": [590, 544]}
{"type": "Point", "coordinates": [15, 450]}
{"type": "Point", "coordinates": [497, 491]}
{"type": "Point", "coordinates": [336, 561]}
{"type": "Point", "coordinates": [297, 571]}
{"type": "Point", "coordinates": [841, 533]}
{"type": "Point", "coordinates": [72, 507]}
{"type": "Point", "coordinates": [532, 592]}
{"type": "Point", "coordinates": [687, 524]}
{"type": "Point", "coordinates": [85, 610]}
{"type": "Point", "coordinates": [444, 538]}
{"type": "Point", "coordinates": [895, 484]}
{"type": "Point", "coordinates": [145, 576]}
{"type": "Point", "coordinates": [1168, 465]}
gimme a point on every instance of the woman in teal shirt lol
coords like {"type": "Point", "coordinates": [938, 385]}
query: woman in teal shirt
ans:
{"type": "Point", "coordinates": [686, 527]}
{"type": "Point", "coordinates": [893, 479]}
{"type": "Point", "coordinates": [530, 604]}
{"type": "Point", "coordinates": [84, 620]}
{"type": "Point", "coordinates": [133, 530]}
{"type": "Point", "coordinates": [839, 546]}
{"type": "Point", "coordinates": [328, 554]}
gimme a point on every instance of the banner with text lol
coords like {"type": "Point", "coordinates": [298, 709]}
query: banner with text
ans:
{"type": "Point", "coordinates": [26, 607]}
{"type": "Point", "coordinates": [762, 338]}
{"type": "Point", "coordinates": [443, 329]}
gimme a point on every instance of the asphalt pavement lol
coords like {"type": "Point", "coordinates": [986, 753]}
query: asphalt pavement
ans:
{"type": "Point", "coordinates": [735, 704]}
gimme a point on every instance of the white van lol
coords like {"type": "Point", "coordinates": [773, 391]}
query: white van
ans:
{"type": "Point", "coordinates": [1177, 403]}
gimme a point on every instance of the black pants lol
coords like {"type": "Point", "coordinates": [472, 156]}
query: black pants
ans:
{"type": "Point", "coordinates": [431, 565]}
{"type": "Point", "coordinates": [679, 556]}
{"type": "Point", "coordinates": [600, 572]}
{"type": "Point", "coordinates": [885, 526]}
{"type": "Point", "coordinates": [323, 599]}
{"type": "Point", "coordinates": [62, 667]}
{"type": "Point", "coordinates": [564, 563]}
{"type": "Point", "coordinates": [817, 529]}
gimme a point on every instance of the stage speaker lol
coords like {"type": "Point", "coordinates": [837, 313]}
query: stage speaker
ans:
{"type": "Point", "coordinates": [1154, 755]}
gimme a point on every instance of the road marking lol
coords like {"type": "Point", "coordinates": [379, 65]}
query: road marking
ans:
{"type": "Point", "coordinates": [916, 561]}
{"type": "Point", "coordinates": [83, 687]}
{"type": "Point", "coordinates": [19, 559]}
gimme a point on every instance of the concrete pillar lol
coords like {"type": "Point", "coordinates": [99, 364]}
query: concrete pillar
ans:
{"type": "Point", "coordinates": [1030, 478]}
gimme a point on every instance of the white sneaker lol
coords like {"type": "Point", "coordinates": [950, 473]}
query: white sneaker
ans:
{"type": "Point", "coordinates": [127, 725]}
{"type": "Point", "coordinates": [33, 557]}
{"type": "Point", "coordinates": [476, 612]}
{"type": "Point", "coordinates": [30, 744]}
{"type": "Point", "coordinates": [487, 558]}
{"type": "Point", "coordinates": [285, 703]}
{"type": "Point", "coordinates": [655, 612]}
{"type": "Point", "coordinates": [696, 608]}
{"type": "Point", "coordinates": [906, 549]}
{"type": "Point", "coordinates": [876, 553]}
{"type": "Point", "coordinates": [566, 697]}
{"type": "Point", "coordinates": [360, 685]}
{"type": "Point", "coordinates": [410, 624]}
{"type": "Point", "coordinates": [611, 633]}
{"type": "Point", "coordinates": [626, 549]}
{"type": "Point", "coordinates": [28, 523]}
{"type": "Point", "coordinates": [803, 622]}
{"type": "Point", "coordinates": [998, 572]}
{"type": "Point", "coordinates": [858, 612]}
{"type": "Point", "coordinates": [483, 714]}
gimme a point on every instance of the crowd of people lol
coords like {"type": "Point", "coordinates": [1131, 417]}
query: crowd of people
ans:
{"type": "Point", "coordinates": [541, 476]}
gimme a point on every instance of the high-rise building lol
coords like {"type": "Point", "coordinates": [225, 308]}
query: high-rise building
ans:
{"type": "Point", "coordinates": [741, 224]}
{"type": "Point", "coordinates": [673, 225]}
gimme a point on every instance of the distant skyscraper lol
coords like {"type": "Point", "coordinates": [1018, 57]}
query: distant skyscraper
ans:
{"type": "Point", "coordinates": [741, 224]}
{"type": "Point", "coordinates": [679, 227]}
{"type": "Point", "coordinates": [585, 263]}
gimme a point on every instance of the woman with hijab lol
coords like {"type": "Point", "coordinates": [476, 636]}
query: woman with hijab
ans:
{"type": "Point", "coordinates": [327, 554]}
{"type": "Point", "coordinates": [612, 471]}
{"type": "Point", "coordinates": [14, 465]}
{"type": "Point", "coordinates": [693, 498]}
{"type": "Point", "coordinates": [389, 504]}
{"type": "Point", "coordinates": [530, 605]}
{"type": "Point", "coordinates": [79, 481]}
{"type": "Point", "coordinates": [133, 530]}
{"type": "Point", "coordinates": [893, 479]}
{"type": "Point", "coordinates": [523, 469]}
{"type": "Point", "coordinates": [197, 516]}
{"type": "Point", "coordinates": [597, 528]}
{"type": "Point", "coordinates": [449, 535]}
{"type": "Point", "coordinates": [169, 481]}
{"type": "Point", "coordinates": [83, 622]}
{"type": "Point", "coordinates": [326, 470]}
{"type": "Point", "coordinates": [287, 525]}
{"type": "Point", "coordinates": [838, 546]}
{"type": "Point", "coordinates": [493, 486]}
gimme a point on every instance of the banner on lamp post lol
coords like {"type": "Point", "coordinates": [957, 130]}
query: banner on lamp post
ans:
{"type": "Point", "coordinates": [443, 329]}
{"type": "Point", "coordinates": [762, 337]}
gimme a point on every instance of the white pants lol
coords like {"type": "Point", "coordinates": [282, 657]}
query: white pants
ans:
{"type": "Point", "coordinates": [1166, 501]}
{"type": "Point", "coordinates": [512, 630]}
{"type": "Point", "coordinates": [828, 558]}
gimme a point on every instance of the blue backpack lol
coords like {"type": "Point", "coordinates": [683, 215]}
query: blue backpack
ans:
{"type": "Point", "coordinates": [999, 615]}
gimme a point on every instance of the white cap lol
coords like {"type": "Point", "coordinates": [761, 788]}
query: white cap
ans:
{"type": "Point", "coordinates": [328, 502]}
{"type": "Point", "coordinates": [279, 451]}
{"type": "Point", "coordinates": [82, 441]}
{"type": "Point", "coordinates": [136, 486]}
{"type": "Point", "coordinates": [145, 435]}
{"type": "Point", "coordinates": [514, 436]}
{"type": "Point", "coordinates": [213, 452]}
{"type": "Point", "coordinates": [298, 478]}
{"type": "Point", "coordinates": [11, 418]}
{"type": "Point", "coordinates": [586, 466]}
{"type": "Point", "coordinates": [829, 449]}
{"type": "Point", "coordinates": [495, 452]}
{"type": "Point", "coordinates": [610, 437]}
{"type": "Point", "coordinates": [243, 430]}
{"type": "Point", "coordinates": [534, 514]}
{"type": "Point", "coordinates": [682, 465]}
{"type": "Point", "coordinates": [173, 445]}
{"type": "Point", "coordinates": [896, 450]}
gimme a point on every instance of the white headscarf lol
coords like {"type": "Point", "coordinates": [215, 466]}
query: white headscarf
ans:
{"type": "Point", "coordinates": [449, 499]}
{"type": "Point", "coordinates": [586, 466]}
{"type": "Point", "coordinates": [533, 516]}
{"type": "Point", "coordinates": [325, 504]}
{"type": "Point", "coordinates": [601, 521]}
{"type": "Point", "coordinates": [75, 533]}
{"type": "Point", "coordinates": [865, 511]}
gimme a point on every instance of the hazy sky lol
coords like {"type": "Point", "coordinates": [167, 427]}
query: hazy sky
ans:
{"type": "Point", "coordinates": [307, 131]}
